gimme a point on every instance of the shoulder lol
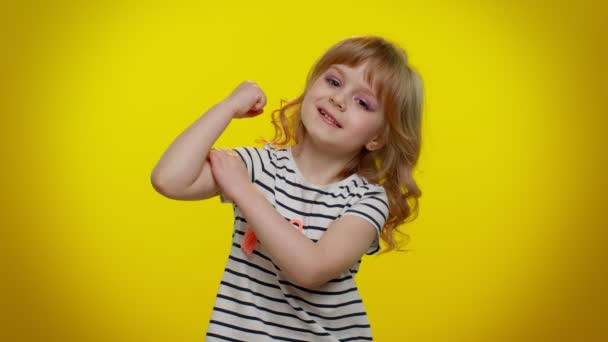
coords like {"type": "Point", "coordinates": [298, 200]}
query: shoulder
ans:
{"type": "Point", "coordinates": [364, 189]}
{"type": "Point", "coordinates": [266, 158]}
{"type": "Point", "coordinates": [266, 151]}
{"type": "Point", "coordinates": [371, 203]}
{"type": "Point", "coordinates": [248, 150]}
{"type": "Point", "coordinates": [375, 193]}
{"type": "Point", "coordinates": [375, 190]}
{"type": "Point", "coordinates": [252, 155]}
{"type": "Point", "coordinates": [275, 152]}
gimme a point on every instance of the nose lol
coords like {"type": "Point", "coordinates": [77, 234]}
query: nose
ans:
{"type": "Point", "coordinates": [337, 99]}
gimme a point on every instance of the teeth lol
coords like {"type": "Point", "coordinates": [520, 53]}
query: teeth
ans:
{"type": "Point", "coordinates": [329, 117]}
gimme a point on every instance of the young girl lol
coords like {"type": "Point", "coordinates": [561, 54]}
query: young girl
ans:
{"type": "Point", "coordinates": [305, 213]}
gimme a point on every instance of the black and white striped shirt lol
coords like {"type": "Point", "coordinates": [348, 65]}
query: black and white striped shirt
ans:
{"type": "Point", "coordinates": [254, 301]}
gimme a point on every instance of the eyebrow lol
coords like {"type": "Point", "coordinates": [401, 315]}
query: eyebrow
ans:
{"type": "Point", "coordinates": [365, 87]}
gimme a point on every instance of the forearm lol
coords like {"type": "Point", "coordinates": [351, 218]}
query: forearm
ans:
{"type": "Point", "coordinates": [288, 248]}
{"type": "Point", "coordinates": [182, 162]}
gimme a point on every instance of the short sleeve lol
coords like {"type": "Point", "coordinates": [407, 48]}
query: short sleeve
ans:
{"type": "Point", "coordinates": [251, 157]}
{"type": "Point", "coordinates": [373, 207]}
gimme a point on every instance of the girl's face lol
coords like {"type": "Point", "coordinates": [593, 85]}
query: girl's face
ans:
{"type": "Point", "coordinates": [340, 110]}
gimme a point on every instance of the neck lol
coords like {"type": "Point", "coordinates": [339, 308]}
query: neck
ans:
{"type": "Point", "coordinates": [308, 157]}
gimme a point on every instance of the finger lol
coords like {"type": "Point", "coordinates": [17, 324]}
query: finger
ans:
{"type": "Point", "coordinates": [212, 158]}
{"type": "Point", "coordinates": [255, 112]}
{"type": "Point", "coordinates": [263, 100]}
{"type": "Point", "coordinates": [214, 154]}
{"type": "Point", "coordinates": [228, 151]}
{"type": "Point", "coordinates": [260, 103]}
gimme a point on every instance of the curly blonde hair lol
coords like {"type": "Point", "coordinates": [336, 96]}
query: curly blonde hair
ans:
{"type": "Point", "coordinates": [399, 88]}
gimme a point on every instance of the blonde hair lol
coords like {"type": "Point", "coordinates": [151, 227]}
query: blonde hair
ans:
{"type": "Point", "coordinates": [399, 88]}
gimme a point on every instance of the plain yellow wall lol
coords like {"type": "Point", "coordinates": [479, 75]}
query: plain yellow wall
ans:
{"type": "Point", "coordinates": [509, 244]}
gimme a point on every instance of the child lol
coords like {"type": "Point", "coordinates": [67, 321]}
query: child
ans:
{"type": "Point", "coordinates": [306, 213]}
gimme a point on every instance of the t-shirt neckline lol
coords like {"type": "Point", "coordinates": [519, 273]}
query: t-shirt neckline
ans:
{"type": "Point", "coordinates": [303, 180]}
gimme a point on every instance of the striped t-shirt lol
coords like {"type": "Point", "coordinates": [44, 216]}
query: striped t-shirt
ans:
{"type": "Point", "coordinates": [255, 302]}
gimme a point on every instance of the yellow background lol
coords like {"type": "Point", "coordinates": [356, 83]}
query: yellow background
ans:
{"type": "Point", "coordinates": [510, 241]}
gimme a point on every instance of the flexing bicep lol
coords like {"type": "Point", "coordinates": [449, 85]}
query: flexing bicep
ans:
{"type": "Point", "coordinates": [342, 245]}
{"type": "Point", "coordinates": [203, 187]}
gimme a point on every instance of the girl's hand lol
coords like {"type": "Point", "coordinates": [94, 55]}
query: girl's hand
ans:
{"type": "Point", "coordinates": [229, 172]}
{"type": "Point", "coordinates": [247, 99]}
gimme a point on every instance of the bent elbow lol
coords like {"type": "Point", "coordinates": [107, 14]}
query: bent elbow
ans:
{"type": "Point", "coordinates": [156, 184]}
{"type": "Point", "coordinates": [311, 279]}
{"type": "Point", "coordinates": [162, 188]}
{"type": "Point", "coordinates": [314, 284]}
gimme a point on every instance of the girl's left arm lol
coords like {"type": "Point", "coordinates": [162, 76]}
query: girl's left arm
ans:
{"type": "Point", "coordinates": [302, 261]}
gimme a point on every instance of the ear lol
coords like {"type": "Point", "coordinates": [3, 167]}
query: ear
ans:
{"type": "Point", "coordinates": [373, 145]}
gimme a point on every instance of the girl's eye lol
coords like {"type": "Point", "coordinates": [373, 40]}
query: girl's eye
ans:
{"type": "Point", "coordinates": [333, 82]}
{"type": "Point", "coordinates": [363, 104]}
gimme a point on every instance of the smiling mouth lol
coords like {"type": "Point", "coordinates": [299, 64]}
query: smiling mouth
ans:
{"type": "Point", "coordinates": [328, 118]}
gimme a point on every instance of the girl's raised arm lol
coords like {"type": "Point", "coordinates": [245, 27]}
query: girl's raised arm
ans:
{"type": "Point", "coordinates": [183, 171]}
